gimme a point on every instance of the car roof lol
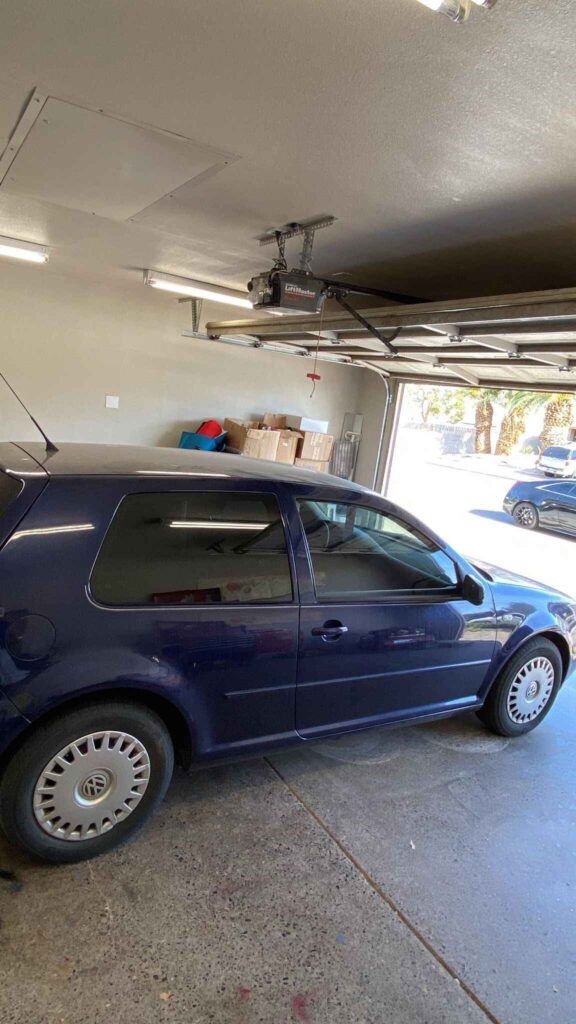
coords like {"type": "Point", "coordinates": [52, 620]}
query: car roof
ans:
{"type": "Point", "coordinates": [72, 459]}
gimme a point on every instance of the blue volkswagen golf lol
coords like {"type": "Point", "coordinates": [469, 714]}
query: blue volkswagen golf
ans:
{"type": "Point", "coordinates": [159, 605]}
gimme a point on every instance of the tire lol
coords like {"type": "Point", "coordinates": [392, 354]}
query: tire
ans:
{"type": "Point", "coordinates": [108, 797]}
{"type": "Point", "coordinates": [525, 514]}
{"type": "Point", "coordinates": [510, 708]}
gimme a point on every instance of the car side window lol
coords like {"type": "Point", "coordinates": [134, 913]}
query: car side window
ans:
{"type": "Point", "coordinates": [192, 547]}
{"type": "Point", "coordinates": [359, 554]}
{"type": "Point", "coordinates": [561, 490]}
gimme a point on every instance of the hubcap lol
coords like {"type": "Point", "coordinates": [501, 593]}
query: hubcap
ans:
{"type": "Point", "coordinates": [530, 690]}
{"type": "Point", "coordinates": [91, 785]}
{"type": "Point", "coordinates": [524, 514]}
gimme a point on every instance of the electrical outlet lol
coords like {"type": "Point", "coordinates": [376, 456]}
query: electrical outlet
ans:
{"type": "Point", "coordinates": [112, 401]}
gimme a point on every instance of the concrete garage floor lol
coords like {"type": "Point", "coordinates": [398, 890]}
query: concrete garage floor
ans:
{"type": "Point", "coordinates": [266, 891]}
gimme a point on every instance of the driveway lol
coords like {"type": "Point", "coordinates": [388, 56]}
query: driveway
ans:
{"type": "Point", "coordinates": [461, 498]}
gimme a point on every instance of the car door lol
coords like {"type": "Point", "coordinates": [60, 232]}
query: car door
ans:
{"type": "Point", "coordinates": [549, 503]}
{"type": "Point", "coordinates": [567, 508]}
{"type": "Point", "coordinates": [384, 632]}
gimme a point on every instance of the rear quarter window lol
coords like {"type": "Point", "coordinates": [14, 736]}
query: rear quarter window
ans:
{"type": "Point", "coordinates": [194, 548]}
{"type": "Point", "coordinates": [9, 490]}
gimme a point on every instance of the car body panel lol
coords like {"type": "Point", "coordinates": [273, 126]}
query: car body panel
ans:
{"type": "Point", "coordinates": [12, 722]}
{"type": "Point", "coordinates": [233, 672]}
{"type": "Point", "coordinates": [526, 608]}
{"type": "Point", "coordinates": [17, 463]}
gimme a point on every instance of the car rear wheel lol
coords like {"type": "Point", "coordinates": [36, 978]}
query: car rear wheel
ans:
{"type": "Point", "coordinates": [84, 782]}
{"type": "Point", "coordinates": [525, 691]}
{"type": "Point", "coordinates": [525, 514]}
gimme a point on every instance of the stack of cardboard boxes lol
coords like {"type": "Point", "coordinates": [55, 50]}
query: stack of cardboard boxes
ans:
{"type": "Point", "coordinates": [293, 440]}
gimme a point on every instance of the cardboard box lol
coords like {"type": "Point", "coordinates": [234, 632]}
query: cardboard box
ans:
{"type": "Point", "coordinates": [303, 423]}
{"type": "Point", "coordinates": [237, 431]}
{"type": "Point", "coordinates": [320, 465]}
{"type": "Point", "coordinates": [316, 446]}
{"type": "Point", "coordinates": [275, 445]}
{"type": "Point", "coordinates": [274, 420]}
{"type": "Point", "coordinates": [287, 445]}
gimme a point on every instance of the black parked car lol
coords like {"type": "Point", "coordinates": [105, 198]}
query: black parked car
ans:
{"type": "Point", "coordinates": [552, 505]}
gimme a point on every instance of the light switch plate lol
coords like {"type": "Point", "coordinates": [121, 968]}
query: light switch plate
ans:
{"type": "Point", "coordinates": [112, 401]}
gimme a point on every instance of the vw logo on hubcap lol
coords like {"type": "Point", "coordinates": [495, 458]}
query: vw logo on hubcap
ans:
{"type": "Point", "coordinates": [94, 785]}
{"type": "Point", "coordinates": [532, 690]}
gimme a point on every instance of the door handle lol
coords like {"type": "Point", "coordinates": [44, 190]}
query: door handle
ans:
{"type": "Point", "coordinates": [330, 630]}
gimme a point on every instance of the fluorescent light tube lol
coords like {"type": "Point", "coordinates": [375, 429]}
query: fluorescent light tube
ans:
{"type": "Point", "coordinates": [195, 289]}
{"type": "Point", "coordinates": [17, 249]}
{"type": "Point", "coordinates": [203, 524]}
{"type": "Point", "coordinates": [457, 10]}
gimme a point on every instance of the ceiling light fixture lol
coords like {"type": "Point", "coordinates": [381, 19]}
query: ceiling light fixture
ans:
{"type": "Point", "coordinates": [196, 289]}
{"type": "Point", "coordinates": [16, 249]}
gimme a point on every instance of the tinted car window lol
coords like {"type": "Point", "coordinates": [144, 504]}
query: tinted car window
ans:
{"type": "Point", "coordinates": [358, 553]}
{"type": "Point", "coordinates": [194, 548]}
{"type": "Point", "coordinates": [559, 488]}
{"type": "Point", "coordinates": [9, 491]}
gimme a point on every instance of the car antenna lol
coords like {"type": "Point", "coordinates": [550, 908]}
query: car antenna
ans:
{"type": "Point", "coordinates": [50, 446]}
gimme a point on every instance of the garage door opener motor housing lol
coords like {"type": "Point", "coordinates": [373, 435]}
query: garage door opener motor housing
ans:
{"type": "Point", "coordinates": [288, 291]}
{"type": "Point", "coordinates": [296, 290]}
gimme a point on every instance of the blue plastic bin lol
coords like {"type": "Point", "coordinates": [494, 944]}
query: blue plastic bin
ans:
{"type": "Point", "coordinates": [201, 441]}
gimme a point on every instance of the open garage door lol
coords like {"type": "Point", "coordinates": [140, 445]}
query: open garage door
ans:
{"type": "Point", "coordinates": [524, 341]}
{"type": "Point", "coordinates": [518, 341]}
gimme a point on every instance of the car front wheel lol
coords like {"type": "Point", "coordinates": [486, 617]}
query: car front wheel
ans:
{"type": "Point", "coordinates": [525, 690]}
{"type": "Point", "coordinates": [526, 515]}
{"type": "Point", "coordinates": [84, 782]}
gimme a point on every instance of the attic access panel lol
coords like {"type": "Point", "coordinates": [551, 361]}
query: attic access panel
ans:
{"type": "Point", "coordinates": [524, 341]}
{"type": "Point", "coordinates": [98, 163]}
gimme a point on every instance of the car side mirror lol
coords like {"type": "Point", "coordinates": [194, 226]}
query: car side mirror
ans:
{"type": "Point", "coordinates": [472, 590]}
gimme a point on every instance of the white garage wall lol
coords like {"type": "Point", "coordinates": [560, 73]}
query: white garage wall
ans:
{"type": "Point", "coordinates": [66, 342]}
{"type": "Point", "coordinates": [372, 403]}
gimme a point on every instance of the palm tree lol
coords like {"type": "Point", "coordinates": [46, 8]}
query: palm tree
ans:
{"type": "Point", "coordinates": [558, 414]}
{"type": "Point", "coordinates": [513, 425]}
{"type": "Point", "coordinates": [557, 419]}
{"type": "Point", "coordinates": [485, 399]}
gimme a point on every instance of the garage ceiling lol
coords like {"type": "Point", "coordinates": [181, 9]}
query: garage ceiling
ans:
{"type": "Point", "coordinates": [87, 160]}
{"type": "Point", "coordinates": [507, 341]}
{"type": "Point", "coordinates": [446, 151]}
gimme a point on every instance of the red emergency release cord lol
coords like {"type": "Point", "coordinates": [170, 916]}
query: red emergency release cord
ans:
{"type": "Point", "coordinates": [316, 376]}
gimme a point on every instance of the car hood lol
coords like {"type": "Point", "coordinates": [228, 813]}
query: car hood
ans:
{"type": "Point", "coordinates": [500, 575]}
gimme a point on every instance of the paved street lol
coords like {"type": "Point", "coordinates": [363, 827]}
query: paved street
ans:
{"type": "Point", "coordinates": [461, 498]}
